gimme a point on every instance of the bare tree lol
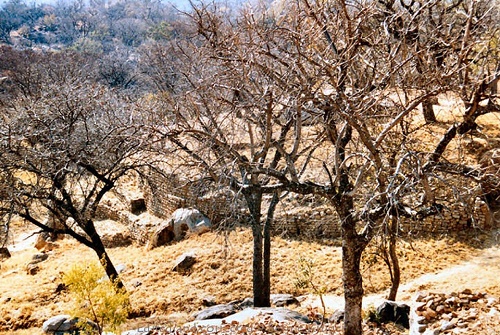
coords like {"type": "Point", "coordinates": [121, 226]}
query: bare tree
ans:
{"type": "Point", "coordinates": [63, 149]}
{"type": "Point", "coordinates": [272, 95]}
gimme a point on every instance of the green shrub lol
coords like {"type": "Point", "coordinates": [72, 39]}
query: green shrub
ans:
{"type": "Point", "coordinates": [96, 298]}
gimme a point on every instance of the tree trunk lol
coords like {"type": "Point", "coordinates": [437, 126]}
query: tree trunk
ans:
{"type": "Point", "coordinates": [267, 246]}
{"type": "Point", "coordinates": [393, 258]}
{"type": "Point", "coordinates": [352, 248]}
{"type": "Point", "coordinates": [99, 249]}
{"type": "Point", "coordinates": [261, 289]}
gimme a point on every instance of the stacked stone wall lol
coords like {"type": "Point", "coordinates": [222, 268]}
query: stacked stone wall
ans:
{"type": "Point", "coordinates": [454, 217]}
{"type": "Point", "coordinates": [296, 217]}
{"type": "Point", "coordinates": [164, 193]}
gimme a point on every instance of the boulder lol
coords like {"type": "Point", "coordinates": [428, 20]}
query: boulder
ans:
{"type": "Point", "coordinates": [281, 300]}
{"type": "Point", "coordinates": [215, 312]}
{"type": "Point", "coordinates": [32, 269]}
{"type": "Point", "coordinates": [38, 258]}
{"type": "Point", "coordinates": [182, 220]}
{"type": "Point", "coordinates": [44, 242]}
{"type": "Point", "coordinates": [188, 219]}
{"type": "Point", "coordinates": [120, 268]}
{"type": "Point", "coordinates": [4, 253]}
{"type": "Point", "coordinates": [390, 311]}
{"type": "Point", "coordinates": [184, 262]}
{"type": "Point", "coordinates": [162, 236]}
{"type": "Point", "coordinates": [63, 324]}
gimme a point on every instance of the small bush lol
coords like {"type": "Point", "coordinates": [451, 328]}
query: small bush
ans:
{"type": "Point", "coordinates": [96, 298]}
{"type": "Point", "coordinates": [305, 280]}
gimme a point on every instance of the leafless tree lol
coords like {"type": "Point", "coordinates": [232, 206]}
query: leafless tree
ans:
{"type": "Point", "coordinates": [64, 146]}
{"type": "Point", "coordinates": [273, 94]}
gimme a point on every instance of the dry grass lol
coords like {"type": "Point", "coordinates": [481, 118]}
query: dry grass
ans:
{"type": "Point", "coordinates": [223, 270]}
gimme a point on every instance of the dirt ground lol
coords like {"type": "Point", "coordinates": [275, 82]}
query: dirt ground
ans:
{"type": "Point", "coordinates": [479, 273]}
{"type": "Point", "coordinates": [448, 263]}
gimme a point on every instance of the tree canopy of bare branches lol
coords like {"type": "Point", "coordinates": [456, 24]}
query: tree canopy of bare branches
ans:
{"type": "Point", "coordinates": [64, 144]}
{"type": "Point", "coordinates": [273, 93]}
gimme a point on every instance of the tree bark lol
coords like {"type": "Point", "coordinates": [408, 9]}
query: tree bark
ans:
{"type": "Point", "coordinates": [353, 245]}
{"type": "Point", "coordinates": [267, 246]}
{"type": "Point", "coordinates": [261, 288]}
{"type": "Point", "coordinates": [100, 250]}
{"type": "Point", "coordinates": [393, 258]}
{"type": "Point", "coordinates": [428, 111]}
{"type": "Point", "coordinates": [353, 281]}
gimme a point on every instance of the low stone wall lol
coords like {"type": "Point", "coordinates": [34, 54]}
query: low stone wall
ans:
{"type": "Point", "coordinates": [164, 193]}
{"type": "Point", "coordinates": [452, 218]}
{"type": "Point", "coordinates": [298, 215]}
{"type": "Point", "coordinates": [317, 222]}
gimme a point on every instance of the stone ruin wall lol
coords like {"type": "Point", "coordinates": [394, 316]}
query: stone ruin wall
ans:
{"type": "Point", "coordinates": [455, 217]}
{"type": "Point", "coordinates": [165, 193]}
{"type": "Point", "coordinates": [323, 222]}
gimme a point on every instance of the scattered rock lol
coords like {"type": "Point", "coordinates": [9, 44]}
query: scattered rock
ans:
{"type": "Point", "coordinates": [4, 253]}
{"type": "Point", "coordinates": [32, 269]}
{"type": "Point", "coordinates": [456, 312]}
{"type": "Point", "coordinates": [215, 312]}
{"type": "Point", "coordinates": [150, 330]}
{"type": "Point", "coordinates": [136, 283]}
{"type": "Point", "coordinates": [208, 301]}
{"type": "Point", "coordinates": [40, 257]}
{"type": "Point", "coordinates": [184, 262]}
{"type": "Point", "coordinates": [279, 314]}
{"type": "Point", "coordinates": [281, 300]}
{"type": "Point", "coordinates": [63, 324]}
{"type": "Point", "coordinates": [390, 311]}
{"type": "Point", "coordinates": [43, 243]}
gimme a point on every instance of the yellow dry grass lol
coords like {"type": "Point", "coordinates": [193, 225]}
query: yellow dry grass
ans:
{"type": "Point", "coordinates": [223, 270]}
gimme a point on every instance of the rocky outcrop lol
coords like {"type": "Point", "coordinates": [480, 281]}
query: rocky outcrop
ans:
{"type": "Point", "coordinates": [215, 312]}
{"type": "Point", "coordinates": [281, 300]}
{"type": "Point", "coordinates": [279, 314]}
